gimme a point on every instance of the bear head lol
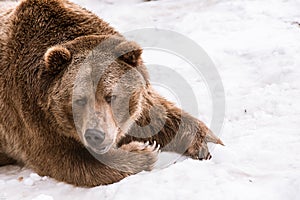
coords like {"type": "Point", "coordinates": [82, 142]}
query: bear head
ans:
{"type": "Point", "coordinates": [97, 89]}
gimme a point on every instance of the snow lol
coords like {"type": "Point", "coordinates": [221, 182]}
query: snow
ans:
{"type": "Point", "coordinates": [255, 46]}
{"type": "Point", "coordinates": [43, 197]}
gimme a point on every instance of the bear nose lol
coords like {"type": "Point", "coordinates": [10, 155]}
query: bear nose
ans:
{"type": "Point", "coordinates": [94, 137]}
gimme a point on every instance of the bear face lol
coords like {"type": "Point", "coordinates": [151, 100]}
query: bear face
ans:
{"type": "Point", "coordinates": [102, 99]}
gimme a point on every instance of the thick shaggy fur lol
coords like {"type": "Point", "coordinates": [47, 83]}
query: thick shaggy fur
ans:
{"type": "Point", "coordinates": [41, 43]}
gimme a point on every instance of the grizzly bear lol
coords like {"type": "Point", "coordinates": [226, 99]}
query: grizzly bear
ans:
{"type": "Point", "coordinates": [76, 101]}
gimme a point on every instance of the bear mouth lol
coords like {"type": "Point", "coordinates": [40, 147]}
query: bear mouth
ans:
{"type": "Point", "coordinates": [100, 150]}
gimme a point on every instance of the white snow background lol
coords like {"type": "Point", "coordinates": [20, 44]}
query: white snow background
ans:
{"type": "Point", "coordinates": [255, 46]}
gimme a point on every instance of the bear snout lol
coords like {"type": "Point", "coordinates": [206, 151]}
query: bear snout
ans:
{"type": "Point", "coordinates": [94, 138]}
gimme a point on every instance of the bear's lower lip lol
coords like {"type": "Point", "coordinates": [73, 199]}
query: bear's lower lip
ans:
{"type": "Point", "coordinates": [102, 150]}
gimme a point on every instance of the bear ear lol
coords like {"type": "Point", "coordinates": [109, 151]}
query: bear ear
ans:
{"type": "Point", "coordinates": [57, 58]}
{"type": "Point", "coordinates": [129, 52]}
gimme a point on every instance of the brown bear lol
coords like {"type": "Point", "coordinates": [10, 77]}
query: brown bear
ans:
{"type": "Point", "coordinates": [76, 102]}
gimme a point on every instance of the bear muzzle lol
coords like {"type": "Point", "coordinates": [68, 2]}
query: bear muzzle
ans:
{"type": "Point", "coordinates": [95, 141]}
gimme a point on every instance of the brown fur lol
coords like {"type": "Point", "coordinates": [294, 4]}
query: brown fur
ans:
{"type": "Point", "coordinates": [43, 43]}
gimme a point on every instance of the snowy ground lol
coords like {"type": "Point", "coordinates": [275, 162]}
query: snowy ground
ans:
{"type": "Point", "coordinates": [256, 48]}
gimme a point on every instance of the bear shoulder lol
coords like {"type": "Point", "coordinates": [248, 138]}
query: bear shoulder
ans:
{"type": "Point", "coordinates": [40, 24]}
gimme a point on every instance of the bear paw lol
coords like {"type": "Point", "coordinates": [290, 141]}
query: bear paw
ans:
{"type": "Point", "coordinates": [141, 147]}
{"type": "Point", "coordinates": [143, 155]}
{"type": "Point", "coordinates": [198, 150]}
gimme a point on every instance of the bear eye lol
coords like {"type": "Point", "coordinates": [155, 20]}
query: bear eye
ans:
{"type": "Point", "coordinates": [81, 102]}
{"type": "Point", "coordinates": [110, 98]}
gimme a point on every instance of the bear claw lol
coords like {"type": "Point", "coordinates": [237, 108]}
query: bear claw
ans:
{"type": "Point", "coordinates": [154, 147]}
{"type": "Point", "coordinates": [137, 146]}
